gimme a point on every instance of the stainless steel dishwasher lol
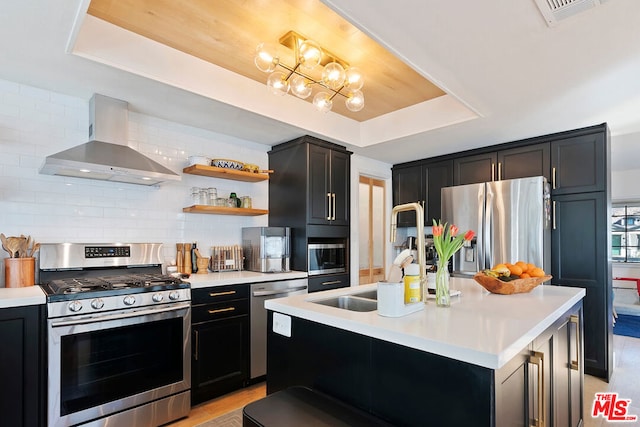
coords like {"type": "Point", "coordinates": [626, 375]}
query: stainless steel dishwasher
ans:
{"type": "Point", "coordinates": [260, 292]}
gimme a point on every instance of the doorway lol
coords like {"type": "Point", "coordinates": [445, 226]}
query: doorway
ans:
{"type": "Point", "coordinates": [371, 226]}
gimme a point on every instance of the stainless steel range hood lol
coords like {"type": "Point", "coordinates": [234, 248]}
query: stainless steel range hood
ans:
{"type": "Point", "coordinates": [106, 156]}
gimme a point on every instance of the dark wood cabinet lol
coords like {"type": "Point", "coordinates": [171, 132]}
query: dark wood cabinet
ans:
{"type": "Point", "coordinates": [407, 188]}
{"type": "Point", "coordinates": [22, 366]}
{"type": "Point", "coordinates": [327, 281]}
{"type": "Point", "coordinates": [310, 191]}
{"type": "Point", "coordinates": [474, 169]}
{"type": "Point", "coordinates": [328, 186]}
{"type": "Point", "coordinates": [220, 341]}
{"type": "Point", "coordinates": [525, 162]}
{"type": "Point", "coordinates": [512, 163]}
{"type": "Point", "coordinates": [579, 258]}
{"type": "Point", "coordinates": [421, 183]}
{"type": "Point", "coordinates": [579, 164]}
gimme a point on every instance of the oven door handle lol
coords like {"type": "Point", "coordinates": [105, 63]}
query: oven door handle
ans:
{"type": "Point", "coordinates": [107, 317]}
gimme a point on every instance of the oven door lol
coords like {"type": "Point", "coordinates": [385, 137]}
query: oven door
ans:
{"type": "Point", "coordinates": [103, 364]}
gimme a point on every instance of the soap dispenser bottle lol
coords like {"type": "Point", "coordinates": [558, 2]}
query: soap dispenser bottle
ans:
{"type": "Point", "coordinates": [412, 292]}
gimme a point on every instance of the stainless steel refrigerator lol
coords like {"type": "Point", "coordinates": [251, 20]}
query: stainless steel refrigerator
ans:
{"type": "Point", "coordinates": [510, 218]}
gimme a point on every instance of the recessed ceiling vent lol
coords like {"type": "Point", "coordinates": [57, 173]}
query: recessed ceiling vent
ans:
{"type": "Point", "coordinates": [557, 10]}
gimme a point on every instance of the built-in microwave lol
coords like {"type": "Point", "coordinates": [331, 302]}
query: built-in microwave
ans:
{"type": "Point", "coordinates": [328, 257]}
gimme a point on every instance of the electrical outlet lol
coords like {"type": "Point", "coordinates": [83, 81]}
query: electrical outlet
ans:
{"type": "Point", "coordinates": [282, 324]}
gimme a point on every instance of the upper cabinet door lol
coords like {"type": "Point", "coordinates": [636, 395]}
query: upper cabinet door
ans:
{"type": "Point", "coordinates": [475, 169]}
{"type": "Point", "coordinates": [525, 162]}
{"type": "Point", "coordinates": [319, 185]}
{"type": "Point", "coordinates": [437, 176]}
{"type": "Point", "coordinates": [578, 164]}
{"type": "Point", "coordinates": [407, 188]}
{"type": "Point", "coordinates": [340, 185]}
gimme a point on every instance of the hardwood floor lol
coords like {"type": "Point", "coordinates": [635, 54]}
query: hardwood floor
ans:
{"type": "Point", "coordinates": [216, 407]}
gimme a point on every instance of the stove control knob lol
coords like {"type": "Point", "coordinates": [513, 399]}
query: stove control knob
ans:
{"type": "Point", "coordinates": [129, 300]}
{"type": "Point", "coordinates": [157, 297]}
{"type": "Point", "coordinates": [97, 304]}
{"type": "Point", "coordinates": [75, 306]}
{"type": "Point", "coordinates": [174, 295]}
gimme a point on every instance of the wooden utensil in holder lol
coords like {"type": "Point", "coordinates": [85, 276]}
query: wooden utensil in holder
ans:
{"type": "Point", "coordinates": [19, 272]}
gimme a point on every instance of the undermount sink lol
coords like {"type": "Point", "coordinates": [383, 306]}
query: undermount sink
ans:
{"type": "Point", "coordinates": [350, 302]}
{"type": "Point", "coordinates": [373, 294]}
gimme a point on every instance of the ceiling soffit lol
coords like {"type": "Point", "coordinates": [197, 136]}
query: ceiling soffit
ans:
{"type": "Point", "coordinates": [226, 34]}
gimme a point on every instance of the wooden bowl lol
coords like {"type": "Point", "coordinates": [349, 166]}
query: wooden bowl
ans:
{"type": "Point", "coordinates": [518, 286]}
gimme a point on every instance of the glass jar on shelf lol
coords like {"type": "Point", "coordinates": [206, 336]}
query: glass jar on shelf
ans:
{"type": "Point", "coordinates": [213, 195]}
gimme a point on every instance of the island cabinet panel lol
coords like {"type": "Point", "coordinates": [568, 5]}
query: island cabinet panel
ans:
{"type": "Point", "coordinates": [410, 387]}
{"type": "Point", "coordinates": [22, 370]}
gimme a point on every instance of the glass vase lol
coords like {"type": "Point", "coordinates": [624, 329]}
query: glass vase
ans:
{"type": "Point", "coordinates": [443, 299]}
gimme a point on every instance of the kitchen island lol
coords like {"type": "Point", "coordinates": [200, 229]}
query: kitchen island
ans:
{"type": "Point", "coordinates": [480, 362]}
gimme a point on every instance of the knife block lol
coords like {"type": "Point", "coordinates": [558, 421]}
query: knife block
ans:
{"type": "Point", "coordinates": [19, 272]}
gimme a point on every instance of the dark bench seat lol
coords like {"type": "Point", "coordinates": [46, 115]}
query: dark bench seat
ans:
{"type": "Point", "coordinates": [302, 406]}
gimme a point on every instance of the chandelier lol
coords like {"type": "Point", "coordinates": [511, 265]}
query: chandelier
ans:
{"type": "Point", "coordinates": [314, 66]}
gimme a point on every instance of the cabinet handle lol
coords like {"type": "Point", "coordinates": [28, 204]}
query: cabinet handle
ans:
{"type": "Point", "coordinates": [499, 171]}
{"type": "Point", "coordinates": [553, 178]}
{"type": "Point", "coordinates": [217, 294]}
{"type": "Point", "coordinates": [329, 206]}
{"type": "Point", "coordinates": [332, 282]}
{"type": "Point", "coordinates": [197, 336]}
{"type": "Point", "coordinates": [221, 310]}
{"type": "Point", "coordinates": [333, 199]}
{"type": "Point", "coordinates": [575, 363]}
{"type": "Point", "coordinates": [493, 171]}
{"type": "Point", "coordinates": [554, 215]}
{"type": "Point", "coordinates": [537, 358]}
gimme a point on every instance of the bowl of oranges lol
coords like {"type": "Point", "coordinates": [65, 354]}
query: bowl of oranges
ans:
{"type": "Point", "coordinates": [507, 279]}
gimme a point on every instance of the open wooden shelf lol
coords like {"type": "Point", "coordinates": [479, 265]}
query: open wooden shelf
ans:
{"type": "Point", "coordinates": [223, 210]}
{"type": "Point", "coordinates": [225, 173]}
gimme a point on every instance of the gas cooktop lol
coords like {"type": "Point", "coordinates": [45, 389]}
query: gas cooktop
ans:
{"type": "Point", "coordinates": [91, 287]}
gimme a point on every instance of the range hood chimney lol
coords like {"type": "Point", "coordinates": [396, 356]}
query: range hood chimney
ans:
{"type": "Point", "coordinates": [106, 156]}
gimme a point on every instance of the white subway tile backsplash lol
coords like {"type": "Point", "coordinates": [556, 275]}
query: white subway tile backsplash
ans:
{"type": "Point", "coordinates": [35, 123]}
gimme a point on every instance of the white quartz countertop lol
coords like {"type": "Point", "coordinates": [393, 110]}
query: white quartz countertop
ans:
{"type": "Point", "coordinates": [480, 328]}
{"type": "Point", "coordinates": [18, 297]}
{"type": "Point", "coordinates": [240, 277]}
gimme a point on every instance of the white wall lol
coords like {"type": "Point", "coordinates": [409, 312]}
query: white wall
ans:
{"type": "Point", "coordinates": [35, 123]}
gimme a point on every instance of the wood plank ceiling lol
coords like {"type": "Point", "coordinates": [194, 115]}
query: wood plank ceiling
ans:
{"type": "Point", "coordinates": [226, 33]}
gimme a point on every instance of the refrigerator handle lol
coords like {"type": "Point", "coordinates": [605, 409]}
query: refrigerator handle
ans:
{"type": "Point", "coordinates": [554, 215]}
{"type": "Point", "coordinates": [487, 222]}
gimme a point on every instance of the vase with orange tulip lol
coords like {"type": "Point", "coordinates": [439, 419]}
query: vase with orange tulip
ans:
{"type": "Point", "coordinates": [447, 241]}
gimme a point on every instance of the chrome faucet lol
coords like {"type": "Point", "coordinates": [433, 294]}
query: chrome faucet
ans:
{"type": "Point", "coordinates": [420, 238]}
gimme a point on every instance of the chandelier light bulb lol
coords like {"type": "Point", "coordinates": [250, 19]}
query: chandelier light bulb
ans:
{"type": "Point", "coordinates": [310, 54]}
{"type": "Point", "coordinates": [355, 101]}
{"type": "Point", "coordinates": [333, 75]}
{"type": "Point", "coordinates": [300, 87]}
{"type": "Point", "coordinates": [323, 102]}
{"type": "Point", "coordinates": [277, 83]}
{"type": "Point", "coordinates": [354, 79]}
{"type": "Point", "coordinates": [266, 58]}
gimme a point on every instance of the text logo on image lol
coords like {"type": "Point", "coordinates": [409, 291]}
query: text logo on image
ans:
{"type": "Point", "coordinates": [612, 408]}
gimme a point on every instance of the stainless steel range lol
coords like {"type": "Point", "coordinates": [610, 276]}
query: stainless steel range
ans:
{"type": "Point", "coordinates": [119, 335]}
